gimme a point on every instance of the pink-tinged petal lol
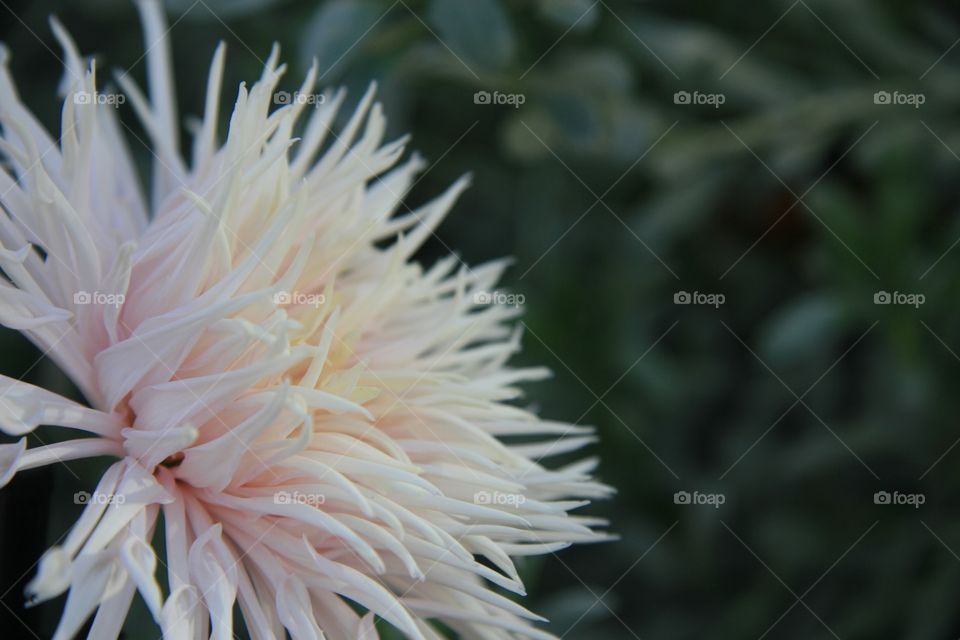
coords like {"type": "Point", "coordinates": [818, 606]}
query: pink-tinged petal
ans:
{"type": "Point", "coordinates": [366, 629]}
{"type": "Point", "coordinates": [197, 400]}
{"type": "Point", "coordinates": [312, 516]}
{"type": "Point", "coordinates": [108, 623]}
{"type": "Point", "coordinates": [97, 503]}
{"type": "Point", "coordinates": [258, 615]}
{"type": "Point", "coordinates": [10, 103]}
{"type": "Point", "coordinates": [23, 407]}
{"type": "Point", "coordinates": [205, 140]}
{"type": "Point", "coordinates": [94, 578]}
{"type": "Point", "coordinates": [367, 592]}
{"type": "Point", "coordinates": [213, 464]}
{"type": "Point", "coordinates": [157, 348]}
{"type": "Point", "coordinates": [23, 311]}
{"type": "Point", "coordinates": [116, 283]}
{"type": "Point", "coordinates": [168, 171]}
{"type": "Point", "coordinates": [10, 455]}
{"type": "Point", "coordinates": [136, 490]}
{"type": "Point", "coordinates": [115, 209]}
{"type": "Point", "coordinates": [177, 534]}
{"type": "Point", "coordinates": [330, 475]}
{"type": "Point", "coordinates": [447, 581]}
{"type": "Point", "coordinates": [296, 611]}
{"type": "Point", "coordinates": [183, 616]}
{"type": "Point", "coordinates": [53, 576]}
{"type": "Point", "coordinates": [69, 450]}
{"type": "Point", "coordinates": [474, 621]}
{"type": "Point", "coordinates": [340, 621]}
{"type": "Point", "coordinates": [325, 401]}
{"type": "Point", "coordinates": [55, 568]}
{"type": "Point", "coordinates": [140, 562]}
{"type": "Point", "coordinates": [214, 571]}
{"type": "Point", "coordinates": [150, 448]}
{"type": "Point", "coordinates": [14, 263]}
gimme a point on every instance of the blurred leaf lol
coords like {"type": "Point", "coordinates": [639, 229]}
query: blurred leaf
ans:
{"type": "Point", "coordinates": [577, 606]}
{"type": "Point", "coordinates": [586, 72]}
{"type": "Point", "coordinates": [478, 31]}
{"type": "Point", "coordinates": [216, 10]}
{"type": "Point", "coordinates": [336, 32]}
{"type": "Point", "coordinates": [576, 15]}
{"type": "Point", "coordinates": [806, 329]}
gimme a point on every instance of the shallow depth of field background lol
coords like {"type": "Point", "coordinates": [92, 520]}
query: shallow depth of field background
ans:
{"type": "Point", "coordinates": [798, 199]}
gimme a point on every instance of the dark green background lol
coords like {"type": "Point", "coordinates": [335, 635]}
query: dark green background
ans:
{"type": "Point", "coordinates": [693, 386]}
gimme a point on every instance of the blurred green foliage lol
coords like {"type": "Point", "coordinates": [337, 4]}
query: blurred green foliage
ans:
{"type": "Point", "coordinates": [798, 199]}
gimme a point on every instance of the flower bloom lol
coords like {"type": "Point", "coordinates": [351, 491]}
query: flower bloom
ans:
{"type": "Point", "coordinates": [308, 416]}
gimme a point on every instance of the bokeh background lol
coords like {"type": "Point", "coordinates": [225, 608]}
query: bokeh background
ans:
{"type": "Point", "coordinates": [785, 184]}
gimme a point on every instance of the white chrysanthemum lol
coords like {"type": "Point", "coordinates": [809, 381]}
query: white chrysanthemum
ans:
{"type": "Point", "coordinates": [318, 419]}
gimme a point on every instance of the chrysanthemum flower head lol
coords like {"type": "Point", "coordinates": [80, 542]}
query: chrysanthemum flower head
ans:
{"type": "Point", "coordinates": [324, 431]}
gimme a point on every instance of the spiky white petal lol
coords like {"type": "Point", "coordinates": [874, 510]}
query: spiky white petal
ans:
{"type": "Point", "coordinates": [315, 416]}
